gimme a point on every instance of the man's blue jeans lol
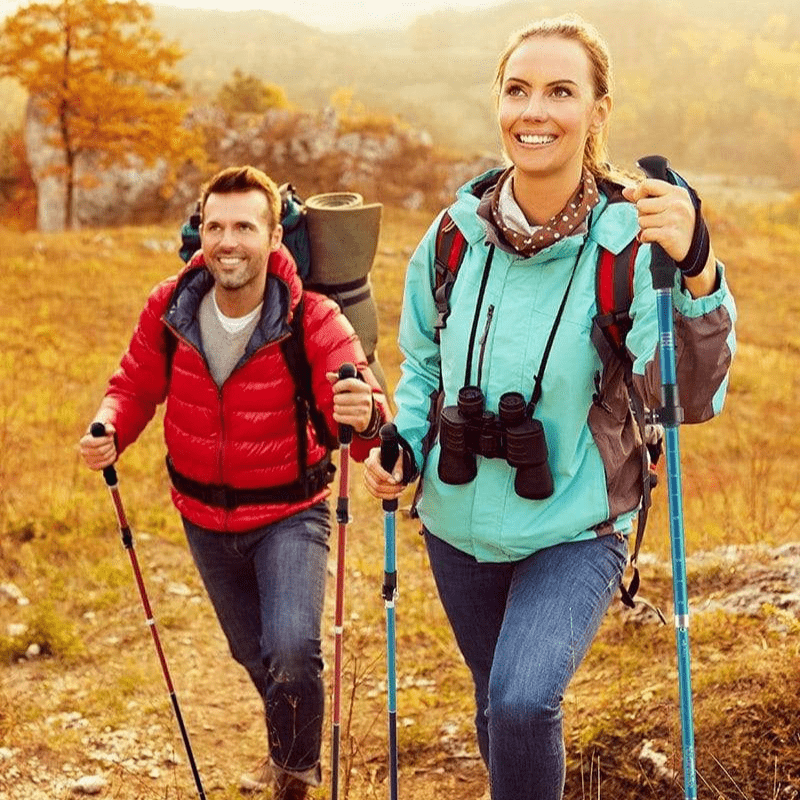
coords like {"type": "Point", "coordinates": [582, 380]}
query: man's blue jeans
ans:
{"type": "Point", "coordinates": [267, 587]}
{"type": "Point", "coordinates": [523, 628]}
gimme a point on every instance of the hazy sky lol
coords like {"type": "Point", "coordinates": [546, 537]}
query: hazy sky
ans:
{"type": "Point", "coordinates": [329, 15]}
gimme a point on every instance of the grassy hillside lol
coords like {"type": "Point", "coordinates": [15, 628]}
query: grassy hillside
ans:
{"type": "Point", "coordinates": [93, 700]}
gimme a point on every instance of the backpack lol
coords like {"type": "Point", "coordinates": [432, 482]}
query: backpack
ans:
{"type": "Point", "coordinates": [614, 294]}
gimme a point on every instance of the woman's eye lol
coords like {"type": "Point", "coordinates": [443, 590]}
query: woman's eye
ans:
{"type": "Point", "coordinates": [562, 91]}
{"type": "Point", "coordinates": [514, 90]}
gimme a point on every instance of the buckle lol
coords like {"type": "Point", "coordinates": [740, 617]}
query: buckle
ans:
{"type": "Point", "coordinates": [219, 496]}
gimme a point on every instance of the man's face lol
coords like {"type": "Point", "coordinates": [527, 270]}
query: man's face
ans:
{"type": "Point", "coordinates": [237, 236]}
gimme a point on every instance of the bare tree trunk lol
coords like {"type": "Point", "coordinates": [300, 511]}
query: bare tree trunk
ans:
{"type": "Point", "coordinates": [69, 191]}
{"type": "Point", "coordinates": [63, 121]}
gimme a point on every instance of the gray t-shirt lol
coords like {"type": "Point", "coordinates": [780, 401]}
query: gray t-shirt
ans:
{"type": "Point", "coordinates": [224, 338]}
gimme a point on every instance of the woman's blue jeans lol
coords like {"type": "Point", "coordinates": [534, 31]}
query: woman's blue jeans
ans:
{"type": "Point", "coordinates": [523, 628]}
{"type": "Point", "coordinates": [267, 587]}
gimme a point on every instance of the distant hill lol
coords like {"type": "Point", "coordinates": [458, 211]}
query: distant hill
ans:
{"type": "Point", "coordinates": [709, 83]}
{"type": "Point", "coordinates": [712, 84]}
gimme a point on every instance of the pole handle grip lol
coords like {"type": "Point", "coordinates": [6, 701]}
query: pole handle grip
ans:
{"type": "Point", "coordinates": [109, 473]}
{"type": "Point", "coordinates": [390, 450]}
{"type": "Point", "coordinates": [346, 370]}
{"type": "Point", "coordinates": [662, 267]}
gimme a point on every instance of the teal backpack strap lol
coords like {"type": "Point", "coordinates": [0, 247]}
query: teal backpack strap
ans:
{"type": "Point", "coordinates": [295, 228]}
{"type": "Point", "coordinates": [190, 235]}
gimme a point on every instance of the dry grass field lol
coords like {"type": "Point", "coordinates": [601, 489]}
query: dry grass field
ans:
{"type": "Point", "coordinates": [89, 698]}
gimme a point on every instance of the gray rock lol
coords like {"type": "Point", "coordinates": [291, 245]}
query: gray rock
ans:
{"type": "Point", "coordinates": [89, 784]}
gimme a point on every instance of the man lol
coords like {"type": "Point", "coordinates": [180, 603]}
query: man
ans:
{"type": "Point", "coordinates": [209, 342]}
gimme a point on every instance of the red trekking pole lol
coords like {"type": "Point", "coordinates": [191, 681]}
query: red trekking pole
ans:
{"type": "Point", "coordinates": [110, 475]}
{"type": "Point", "coordinates": [343, 518]}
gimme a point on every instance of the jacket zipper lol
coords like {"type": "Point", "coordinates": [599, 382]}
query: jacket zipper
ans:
{"type": "Point", "coordinates": [482, 342]}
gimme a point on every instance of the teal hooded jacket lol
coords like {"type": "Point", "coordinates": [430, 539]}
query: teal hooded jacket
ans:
{"type": "Point", "coordinates": [595, 451]}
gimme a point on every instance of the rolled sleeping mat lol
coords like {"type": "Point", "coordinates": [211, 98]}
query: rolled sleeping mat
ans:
{"type": "Point", "coordinates": [343, 234]}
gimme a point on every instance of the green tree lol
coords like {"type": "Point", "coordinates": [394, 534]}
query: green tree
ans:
{"type": "Point", "coordinates": [103, 78]}
{"type": "Point", "coordinates": [249, 94]}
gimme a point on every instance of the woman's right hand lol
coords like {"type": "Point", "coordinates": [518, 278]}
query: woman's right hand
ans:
{"type": "Point", "coordinates": [380, 483]}
{"type": "Point", "coordinates": [98, 451]}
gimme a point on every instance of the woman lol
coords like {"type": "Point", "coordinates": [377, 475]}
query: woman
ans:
{"type": "Point", "coordinates": [527, 561]}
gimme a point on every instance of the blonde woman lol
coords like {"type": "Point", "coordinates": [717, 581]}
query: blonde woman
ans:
{"type": "Point", "coordinates": [527, 561]}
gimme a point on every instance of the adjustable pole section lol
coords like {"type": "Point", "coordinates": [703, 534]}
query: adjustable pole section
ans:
{"type": "Point", "coordinates": [670, 415]}
{"type": "Point", "coordinates": [343, 518]}
{"type": "Point", "coordinates": [390, 450]}
{"type": "Point", "coordinates": [110, 475]}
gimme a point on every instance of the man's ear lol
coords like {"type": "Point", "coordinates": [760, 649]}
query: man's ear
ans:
{"type": "Point", "coordinates": [276, 237]}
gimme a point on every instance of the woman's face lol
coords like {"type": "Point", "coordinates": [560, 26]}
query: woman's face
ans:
{"type": "Point", "coordinates": [547, 108]}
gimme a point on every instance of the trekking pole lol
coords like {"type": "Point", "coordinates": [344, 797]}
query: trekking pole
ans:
{"type": "Point", "coordinates": [390, 450]}
{"type": "Point", "coordinates": [670, 415]}
{"type": "Point", "coordinates": [110, 474]}
{"type": "Point", "coordinates": [346, 370]}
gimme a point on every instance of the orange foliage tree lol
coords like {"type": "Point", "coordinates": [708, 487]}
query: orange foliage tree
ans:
{"type": "Point", "coordinates": [103, 78]}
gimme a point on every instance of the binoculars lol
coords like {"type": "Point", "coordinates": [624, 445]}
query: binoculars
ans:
{"type": "Point", "coordinates": [467, 429]}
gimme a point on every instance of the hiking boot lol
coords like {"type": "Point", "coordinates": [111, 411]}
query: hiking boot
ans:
{"type": "Point", "coordinates": [258, 781]}
{"type": "Point", "coordinates": [288, 787]}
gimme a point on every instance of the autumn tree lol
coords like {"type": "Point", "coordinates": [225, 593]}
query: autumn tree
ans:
{"type": "Point", "coordinates": [247, 93]}
{"type": "Point", "coordinates": [103, 79]}
{"type": "Point", "coordinates": [17, 190]}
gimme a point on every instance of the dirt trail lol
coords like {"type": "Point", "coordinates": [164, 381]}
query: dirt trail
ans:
{"type": "Point", "coordinates": [108, 717]}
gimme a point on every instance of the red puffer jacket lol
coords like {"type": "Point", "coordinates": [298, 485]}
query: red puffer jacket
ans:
{"type": "Point", "coordinates": [243, 434]}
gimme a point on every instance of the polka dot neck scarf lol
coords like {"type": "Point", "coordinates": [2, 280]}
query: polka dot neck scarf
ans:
{"type": "Point", "coordinates": [528, 240]}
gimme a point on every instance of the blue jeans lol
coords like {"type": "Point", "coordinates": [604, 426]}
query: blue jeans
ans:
{"type": "Point", "coordinates": [523, 628]}
{"type": "Point", "coordinates": [267, 587]}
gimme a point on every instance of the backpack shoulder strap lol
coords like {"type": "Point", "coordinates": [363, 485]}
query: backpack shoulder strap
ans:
{"type": "Point", "coordinates": [451, 247]}
{"type": "Point", "coordinates": [614, 294]}
{"type": "Point", "coordinates": [294, 351]}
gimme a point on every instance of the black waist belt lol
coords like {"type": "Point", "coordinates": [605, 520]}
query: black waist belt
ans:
{"type": "Point", "coordinates": [317, 477]}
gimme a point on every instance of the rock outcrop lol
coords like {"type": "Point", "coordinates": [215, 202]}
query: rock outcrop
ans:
{"type": "Point", "coordinates": [317, 152]}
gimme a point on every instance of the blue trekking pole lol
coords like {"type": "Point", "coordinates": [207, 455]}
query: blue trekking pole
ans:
{"type": "Point", "coordinates": [670, 415]}
{"type": "Point", "coordinates": [390, 450]}
{"type": "Point", "coordinates": [110, 475]}
{"type": "Point", "coordinates": [346, 370]}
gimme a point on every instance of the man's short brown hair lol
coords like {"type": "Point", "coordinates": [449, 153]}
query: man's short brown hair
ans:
{"type": "Point", "coordinates": [245, 179]}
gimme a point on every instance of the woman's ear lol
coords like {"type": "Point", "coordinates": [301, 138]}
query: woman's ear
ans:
{"type": "Point", "coordinates": [600, 114]}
